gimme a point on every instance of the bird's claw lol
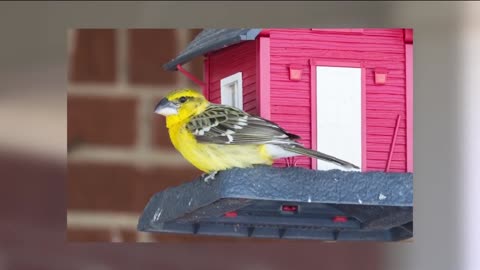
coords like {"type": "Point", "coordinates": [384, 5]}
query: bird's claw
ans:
{"type": "Point", "coordinates": [209, 176]}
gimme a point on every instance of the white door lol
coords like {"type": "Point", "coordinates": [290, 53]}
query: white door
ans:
{"type": "Point", "coordinates": [339, 114]}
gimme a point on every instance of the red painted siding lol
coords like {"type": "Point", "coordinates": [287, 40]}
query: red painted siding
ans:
{"type": "Point", "coordinates": [237, 58]}
{"type": "Point", "coordinates": [372, 48]}
{"type": "Point", "coordinates": [263, 77]}
{"type": "Point", "coordinates": [409, 96]}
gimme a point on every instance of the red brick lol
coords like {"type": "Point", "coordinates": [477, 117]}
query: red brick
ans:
{"type": "Point", "coordinates": [196, 65]}
{"type": "Point", "coordinates": [193, 32]}
{"type": "Point", "coordinates": [190, 238]}
{"type": "Point", "coordinates": [91, 235]}
{"type": "Point", "coordinates": [160, 178]}
{"type": "Point", "coordinates": [148, 51]}
{"type": "Point", "coordinates": [110, 187]}
{"type": "Point", "coordinates": [101, 120]}
{"type": "Point", "coordinates": [32, 198]}
{"type": "Point", "coordinates": [160, 136]}
{"type": "Point", "coordinates": [101, 235]}
{"type": "Point", "coordinates": [129, 236]}
{"type": "Point", "coordinates": [101, 186]}
{"type": "Point", "coordinates": [94, 57]}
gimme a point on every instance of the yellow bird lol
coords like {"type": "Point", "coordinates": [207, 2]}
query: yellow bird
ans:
{"type": "Point", "coordinates": [215, 137]}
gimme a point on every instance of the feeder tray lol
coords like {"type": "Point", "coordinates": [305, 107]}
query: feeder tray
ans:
{"type": "Point", "coordinates": [287, 203]}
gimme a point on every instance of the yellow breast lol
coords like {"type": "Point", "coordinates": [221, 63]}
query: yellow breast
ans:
{"type": "Point", "coordinates": [216, 157]}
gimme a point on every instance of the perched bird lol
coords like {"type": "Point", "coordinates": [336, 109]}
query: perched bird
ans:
{"type": "Point", "coordinates": [215, 137]}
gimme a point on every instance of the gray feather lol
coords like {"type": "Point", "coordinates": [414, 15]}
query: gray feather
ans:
{"type": "Point", "coordinates": [216, 121]}
{"type": "Point", "coordinates": [318, 155]}
{"type": "Point", "coordinates": [220, 124]}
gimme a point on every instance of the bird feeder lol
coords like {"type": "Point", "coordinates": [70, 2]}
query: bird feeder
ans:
{"type": "Point", "coordinates": [287, 203]}
{"type": "Point", "coordinates": [315, 83]}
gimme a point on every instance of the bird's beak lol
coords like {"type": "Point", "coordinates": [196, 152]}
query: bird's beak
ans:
{"type": "Point", "coordinates": [165, 107]}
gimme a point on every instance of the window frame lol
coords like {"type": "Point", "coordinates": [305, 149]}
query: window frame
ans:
{"type": "Point", "coordinates": [226, 84]}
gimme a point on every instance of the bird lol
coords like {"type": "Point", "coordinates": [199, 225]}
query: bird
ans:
{"type": "Point", "coordinates": [216, 137]}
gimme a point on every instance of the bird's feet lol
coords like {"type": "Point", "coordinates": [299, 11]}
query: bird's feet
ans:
{"type": "Point", "coordinates": [209, 176]}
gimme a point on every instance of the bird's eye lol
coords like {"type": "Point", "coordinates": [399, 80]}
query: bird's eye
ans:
{"type": "Point", "coordinates": [182, 99]}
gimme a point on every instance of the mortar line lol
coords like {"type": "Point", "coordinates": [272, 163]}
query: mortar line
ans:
{"type": "Point", "coordinates": [123, 155]}
{"type": "Point", "coordinates": [122, 60]}
{"type": "Point", "coordinates": [181, 35]}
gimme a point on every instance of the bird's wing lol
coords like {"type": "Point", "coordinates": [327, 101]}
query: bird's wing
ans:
{"type": "Point", "coordinates": [221, 124]}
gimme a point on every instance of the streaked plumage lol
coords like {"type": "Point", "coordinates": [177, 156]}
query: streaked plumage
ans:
{"type": "Point", "coordinates": [215, 137]}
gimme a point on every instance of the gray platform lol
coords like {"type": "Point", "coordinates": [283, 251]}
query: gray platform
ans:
{"type": "Point", "coordinates": [291, 203]}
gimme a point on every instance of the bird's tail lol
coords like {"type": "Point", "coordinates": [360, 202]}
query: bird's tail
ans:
{"type": "Point", "coordinates": [318, 155]}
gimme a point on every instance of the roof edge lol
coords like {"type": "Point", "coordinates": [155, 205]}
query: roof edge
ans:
{"type": "Point", "coordinates": [251, 34]}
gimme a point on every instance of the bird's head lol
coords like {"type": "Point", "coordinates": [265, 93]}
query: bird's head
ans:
{"type": "Point", "coordinates": [181, 104]}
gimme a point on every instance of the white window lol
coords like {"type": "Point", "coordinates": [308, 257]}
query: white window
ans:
{"type": "Point", "coordinates": [231, 90]}
{"type": "Point", "coordinates": [339, 114]}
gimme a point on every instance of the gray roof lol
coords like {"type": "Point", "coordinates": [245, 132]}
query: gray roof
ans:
{"type": "Point", "coordinates": [210, 40]}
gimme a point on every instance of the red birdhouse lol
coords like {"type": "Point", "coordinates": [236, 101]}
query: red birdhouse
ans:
{"type": "Point", "coordinates": [345, 92]}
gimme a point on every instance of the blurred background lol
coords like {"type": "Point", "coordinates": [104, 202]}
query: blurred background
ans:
{"type": "Point", "coordinates": [119, 152]}
{"type": "Point", "coordinates": [37, 82]}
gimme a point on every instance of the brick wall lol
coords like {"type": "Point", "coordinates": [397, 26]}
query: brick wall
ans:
{"type": "Point", "coordinates": [119, 153]}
